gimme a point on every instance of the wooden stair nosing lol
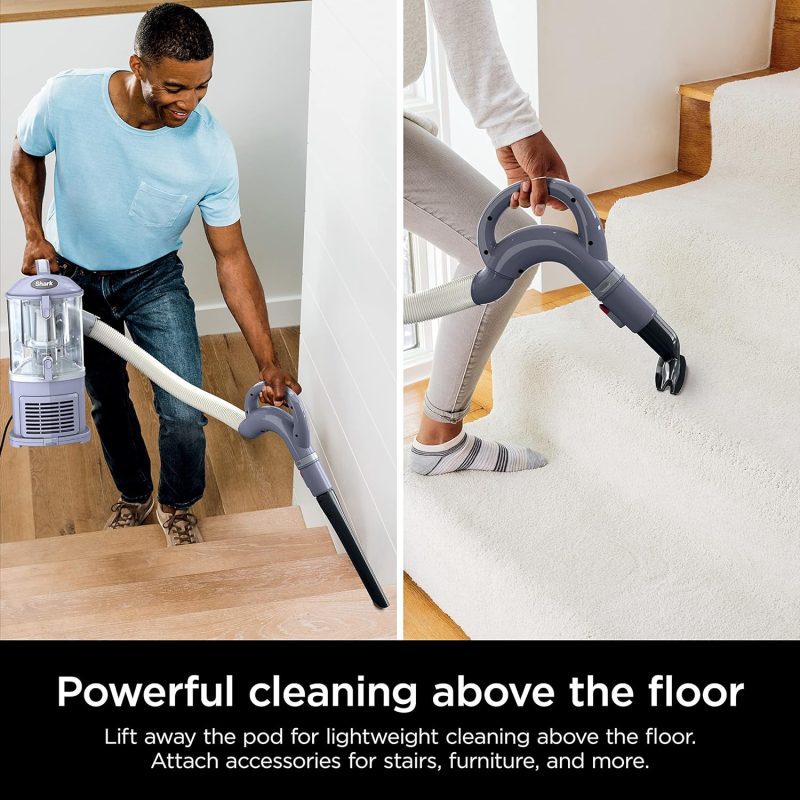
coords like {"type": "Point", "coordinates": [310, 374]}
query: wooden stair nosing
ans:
{"type": "Point", "coordinates": [605, 199]}
{"type": "Point", "coordinates": [182, 594]}
{"type": "Point", "coordinates": [704, 90]}
{"type": "Point", "coordinates": [347, 614]}
{"type": "Point", "coordinates": [54, 577]}
{"type": "Point", "coordinates": [144, 537]}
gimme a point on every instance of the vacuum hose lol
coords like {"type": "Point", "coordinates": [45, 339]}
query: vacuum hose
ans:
{"type": "Point", "coordinates": [439, 301]}
{"type": "Point", "coordinates": [203, 401]}
{"type": "Point", "coordinates": [251, 422]}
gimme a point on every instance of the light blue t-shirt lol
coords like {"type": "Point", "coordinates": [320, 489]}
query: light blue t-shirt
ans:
{"type": "Point", "coordinates": [123, 196]}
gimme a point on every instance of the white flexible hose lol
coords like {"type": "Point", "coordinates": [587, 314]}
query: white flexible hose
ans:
{"type": "Point", "coordinates": [209, 404]}
{"type": "Point", "coordinates": [439, 301]}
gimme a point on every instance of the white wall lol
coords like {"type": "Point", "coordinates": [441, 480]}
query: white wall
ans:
{"type": "Point", "coordinates": [609, 74]}
{"type": "Point", "coordinates": [349, 326]}
{"type": "Point", "coordinates": [259, 93]}
{"type": "Point", "coordinates": [604, 78]}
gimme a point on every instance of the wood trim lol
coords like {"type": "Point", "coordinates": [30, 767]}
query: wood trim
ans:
{"type": "Point", "coordinates": [602, 201]}
{"type": "Point", "coordinates": [785, 45]}
{"type": "Point", "coordinates": [423, 619]}
{"type": "Point", "coordinates": [788, 10]}
{"type": "Point", "coordinates": [23, 10]}
{"type": "Point", "coordinates": [694, 149]}
{"type": "Point", "coordinates": [704, 90]}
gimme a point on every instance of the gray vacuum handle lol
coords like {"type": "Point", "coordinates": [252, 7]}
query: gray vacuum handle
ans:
{"type": "Point", "coordinates": [572, 196]}
{"type": "Point", "coordinates": [293, 428]}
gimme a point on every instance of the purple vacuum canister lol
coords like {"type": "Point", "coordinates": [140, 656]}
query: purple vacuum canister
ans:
{"type": "Point", "coordinates": [47, 369]}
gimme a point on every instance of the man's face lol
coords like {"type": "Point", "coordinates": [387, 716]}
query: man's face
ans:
{"type": "Point", "coordinates": [172, 89]}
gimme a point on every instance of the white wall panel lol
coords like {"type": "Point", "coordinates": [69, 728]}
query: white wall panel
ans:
{"type": "Point", "coordinates": [348, 344]}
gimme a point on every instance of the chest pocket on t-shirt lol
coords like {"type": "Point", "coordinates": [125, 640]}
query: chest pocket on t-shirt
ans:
{"type": "Point", "coordinates": [155, 208]}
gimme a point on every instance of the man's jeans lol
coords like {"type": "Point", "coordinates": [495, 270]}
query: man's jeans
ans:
{"type": "Point", "coordinates": [154, 303]}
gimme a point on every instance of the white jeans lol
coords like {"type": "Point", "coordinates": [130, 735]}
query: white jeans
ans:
{"type": "Point", "coordinates": [443, 199]}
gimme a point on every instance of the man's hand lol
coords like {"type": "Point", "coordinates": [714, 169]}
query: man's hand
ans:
{"type": "Point", "coordinates": [277, 379]}
{"type": "Point", "coordinates": [527, 159]}
{"type": "Point", "coordinates": [38, 248]}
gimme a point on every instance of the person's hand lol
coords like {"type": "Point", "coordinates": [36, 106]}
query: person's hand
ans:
{"type": "Point", "coordinates": [38, 248]}
{"type": "Point", "coordinates": [528, 159]}
{"type": "Point", "coordinates": [277, 379]}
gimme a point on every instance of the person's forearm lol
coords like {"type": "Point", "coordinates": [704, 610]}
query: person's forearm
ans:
{"type": "Point", "coordinates": [481, 72]}
{"type": "Point", "coordinates": [28, 178]}
{"type": "Point", "coordinates": [244, 296]}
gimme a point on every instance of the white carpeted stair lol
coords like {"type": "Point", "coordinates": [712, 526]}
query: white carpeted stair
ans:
{"type": "Point", "coordinates": [257, 575]}
{"type": "Point", "coordinates": [658, 516]}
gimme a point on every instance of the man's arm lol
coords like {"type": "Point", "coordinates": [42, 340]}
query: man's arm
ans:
{"type": "Point", "coordinates": [244, 296]}
{"type": "Point", "coordinates": [28, 178]}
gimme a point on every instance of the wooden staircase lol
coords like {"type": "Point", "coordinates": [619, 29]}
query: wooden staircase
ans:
{"type": "Point", "coordinates": [257, 575]}
{"type": "Point", "coordinates": [694, 147]}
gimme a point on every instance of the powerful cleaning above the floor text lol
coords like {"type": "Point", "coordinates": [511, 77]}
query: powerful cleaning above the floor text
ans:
{"type": "Point", "coordinates": [662, 691]}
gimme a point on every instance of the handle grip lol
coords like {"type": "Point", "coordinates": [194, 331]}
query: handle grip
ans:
{"type": "Point", "coordinates": [572, 196]}
{"type": "Point", "coordinates": [295, 423]}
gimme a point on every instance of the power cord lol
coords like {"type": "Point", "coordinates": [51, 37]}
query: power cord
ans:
{"type": "Point", "coordinates": [5, 431]}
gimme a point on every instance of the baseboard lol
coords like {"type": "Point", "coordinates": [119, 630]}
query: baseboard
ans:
{"type": "Point", "coordinates": [284, 312]}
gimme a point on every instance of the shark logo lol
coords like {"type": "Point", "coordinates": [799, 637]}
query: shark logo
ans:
{"type": "Point", "coordinates": [44, 283]}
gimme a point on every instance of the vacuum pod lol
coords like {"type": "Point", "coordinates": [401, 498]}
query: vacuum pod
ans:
{"type": "Point", "coordinates": [46, 328]}
{"type": "Point", "coordinates": [584, 253]}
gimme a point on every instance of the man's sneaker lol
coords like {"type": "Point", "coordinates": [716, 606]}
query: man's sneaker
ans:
{"type": "Point", "coordinates": [129, 515]}
{"type": "Point", "coordinates": [180, 527]}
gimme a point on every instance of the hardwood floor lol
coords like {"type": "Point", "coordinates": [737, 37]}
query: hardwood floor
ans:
{"type": "Point", "coordinates": [51, 491]}
{"type": "Point", "coordinates": [422, 618]}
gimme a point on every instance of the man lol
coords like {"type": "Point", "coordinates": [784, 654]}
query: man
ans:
{"type": "Point", "coordinates": [135, 153]}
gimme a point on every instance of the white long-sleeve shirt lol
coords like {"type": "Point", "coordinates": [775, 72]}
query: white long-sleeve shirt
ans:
{"type": "Point", "coordinates": [478, 65]}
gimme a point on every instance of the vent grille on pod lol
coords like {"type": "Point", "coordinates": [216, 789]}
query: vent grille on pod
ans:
{"type": "Point", "coordinates": [51, 417]}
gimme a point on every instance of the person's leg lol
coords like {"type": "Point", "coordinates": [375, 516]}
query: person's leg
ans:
{"type": "Point", "coordinates": [160, 317]}
{"type": "Point", "coordinates": [112, 410]}
{"type": "Point", "coordinates": [444, 198]}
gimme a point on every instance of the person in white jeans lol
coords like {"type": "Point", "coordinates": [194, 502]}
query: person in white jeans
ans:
{"type": "Point", "coordinates": [443, 199]}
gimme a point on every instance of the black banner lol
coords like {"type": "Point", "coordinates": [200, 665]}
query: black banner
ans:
{"type": "Point", "coordinates": [552, 713]}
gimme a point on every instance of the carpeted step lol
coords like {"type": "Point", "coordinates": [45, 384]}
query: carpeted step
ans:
{"type": "Point", "coordinates": [639, 510]}
{"type": "Point", "coordinates": [657, 516]}
{"type": "Point", "coordinates": [577, 350]}
{"type": "Point", "coordinates": [145, 537]}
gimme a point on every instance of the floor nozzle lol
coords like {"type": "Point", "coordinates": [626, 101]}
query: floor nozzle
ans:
{"type": "Point", "coordinates": [671, 373]}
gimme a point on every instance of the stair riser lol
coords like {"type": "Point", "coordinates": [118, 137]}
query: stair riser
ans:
{"type": "Point", "coordinates": [169, 597]}
{"type": "Point", "coordinates": [339, 615]}
{"type": "Point", "coordinates": [120, 569]}
{"type": "Point", "coordinates": [694, 149]}
{"type": "Point", "coordinates": [146, 537]}
{"type": "Point", "coordinates": [786, 45]}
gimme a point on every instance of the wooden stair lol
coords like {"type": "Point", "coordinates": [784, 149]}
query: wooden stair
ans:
{"type": "Point", "coordinates": [694, 146]}
{"type": "Point", "coordinates": [257, 575]}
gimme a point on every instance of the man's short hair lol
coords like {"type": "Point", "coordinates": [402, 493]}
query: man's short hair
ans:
{"type": "Point", "coordinates": [173, 31]}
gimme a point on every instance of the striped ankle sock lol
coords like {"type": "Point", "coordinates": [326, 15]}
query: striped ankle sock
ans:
{"type": "Point", "coordinates": [469, 452]}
